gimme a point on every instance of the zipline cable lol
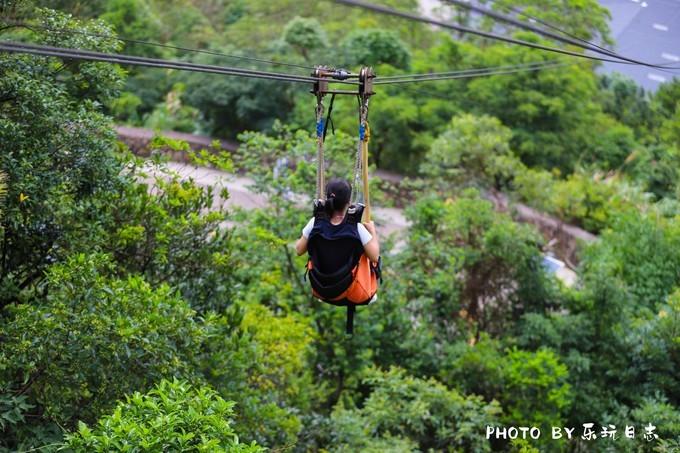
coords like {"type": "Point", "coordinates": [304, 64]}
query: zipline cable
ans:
{"type": "Point", "coordinates": [158, 44]}
{"type": "Point", "coordinates": [415, 17]}
{"type": "Point", "coordinates": [475, 74]}
{"type": "Point", "coordinates": [79, 54]}
{"type": "Point", "coordinates": [428, 93]}
{"type": "Point", "coordinates": [385, 79]}
{"type": "Point", "coordinates": [587, 46]}
{"type": "Point", "coordinates": [137, 61]}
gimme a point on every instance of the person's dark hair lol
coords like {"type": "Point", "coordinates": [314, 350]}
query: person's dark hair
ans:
{"type": "Point", "coordinates": [338, 193]}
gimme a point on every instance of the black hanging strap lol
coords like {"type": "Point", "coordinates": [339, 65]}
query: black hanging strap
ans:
{"type": "Point", "coordinates": [329, 119]}
{"type": "Point", "coordinates": [349, 328]}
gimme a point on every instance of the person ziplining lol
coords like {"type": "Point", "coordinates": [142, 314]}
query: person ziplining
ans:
{"type": "Point", "coordinates": [341, 275]}
{"type": "Point", "coordinates": [336, 204]}
{"type": "Point", "coordinates": [344, 252]}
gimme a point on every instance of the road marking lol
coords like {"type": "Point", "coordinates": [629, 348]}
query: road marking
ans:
{"type": "Point", "coordinates": [670, 56]}
{"type": "Point", "coordinates": [656, 77]}
{"type": "Point", "coordinates": [660, 27]}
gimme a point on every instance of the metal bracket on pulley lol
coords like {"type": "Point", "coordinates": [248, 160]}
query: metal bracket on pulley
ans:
{"type": "Point", "coordinates": [320, 84]}
{"type": "Point", "coordinates": [366, 76]}
{"type": "Point", "coordinates": [325, 75]}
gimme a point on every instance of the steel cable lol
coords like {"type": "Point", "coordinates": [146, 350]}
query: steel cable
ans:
{"type": "Point", "coordinates": [79, 54]}
{"type": "Point", "coordinates": [462, 29]}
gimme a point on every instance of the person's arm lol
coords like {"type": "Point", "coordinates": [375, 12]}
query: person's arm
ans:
{"type": "Point", "coordinates": [372, 247]}
{"type": "Point", "coordinates": [301, 244]}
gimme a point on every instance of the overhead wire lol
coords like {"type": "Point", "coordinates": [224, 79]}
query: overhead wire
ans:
{"type": "Point", "coordinates": [415, 17]}
{"type": "Point", "coordinates": [151, 62]}
{"type": "Point", "coordinates": [79, 54]}
{"type": "Point", "coordinates": [477, 73]}
{"type": "Point", "coordinates": [427, 75]}
{"type": "Point", "coordinates": [161, 45]}
{"type": "Point", "coordinates": [425, 93]}
{"type": "Point", "coordinates": [519, 12]}
{"type": "Point", "coordinates": [404, 78]}
{"type": "Point", "coordinates": [566, 40]}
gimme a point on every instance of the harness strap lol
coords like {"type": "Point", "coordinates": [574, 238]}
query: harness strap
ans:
{"type": "Point", "coordinates": [349, 326]}
{"type": "Point", "coordinates": [329, 119]}
{"type": "Point", "coordinates": [320, 164]}
{"type": "Point", "coordinates": [357, 162]}
{"type": "Point", "coordinates": [364, 173]}
{"type": "Point", "coordinates": [361, 160]}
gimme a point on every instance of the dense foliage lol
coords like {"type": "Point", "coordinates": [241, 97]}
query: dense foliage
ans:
{"type": "Point", "coordinates": [138, 313]}
{"type": "Point", "coordinates": [171, 417]}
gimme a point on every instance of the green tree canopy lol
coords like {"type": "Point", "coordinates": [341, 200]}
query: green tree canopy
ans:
{"type": "Point", "coordinates": [531, 386]}
{"type": "Point", "coordinates": [305, 35]}
{"type": "Point", "coordinates": [472, 151]}
{"type": "Point", "coordinates": [173, 416]}
{"type": "Point", "coordinates": [372, 47]}
{"type": "Point", "coordinates": [57, 146]}
{"type": "Point", "coordinates": [481, 268]}
{"type": "Point", "coordinates": [401, 410]}
{"type": "Point", "coordinates": [94, 339]}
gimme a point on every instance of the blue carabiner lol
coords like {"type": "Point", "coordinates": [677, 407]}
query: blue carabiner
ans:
{"type": "Point", "coordinates": [319, 127]}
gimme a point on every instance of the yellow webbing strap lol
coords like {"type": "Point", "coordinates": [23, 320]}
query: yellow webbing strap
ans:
{"type": "Point", "coordinates": [320, 166]}
{"type": "Point", "coordinates": [364, 173]}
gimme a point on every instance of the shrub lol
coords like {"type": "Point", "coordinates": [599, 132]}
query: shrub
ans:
{"type": "Point", "coordinates": [94, 339]}
{"type": "Point", "coordinates": [401, 408]}
{"type": "Point", "coordinates": [173, 416]}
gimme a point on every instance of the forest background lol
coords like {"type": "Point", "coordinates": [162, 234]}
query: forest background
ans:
{"type": "Point", "coordinates": [139, 314]}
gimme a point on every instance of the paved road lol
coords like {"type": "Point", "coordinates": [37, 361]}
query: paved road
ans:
{"type": "Point", "coordinates": [648, 30]}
